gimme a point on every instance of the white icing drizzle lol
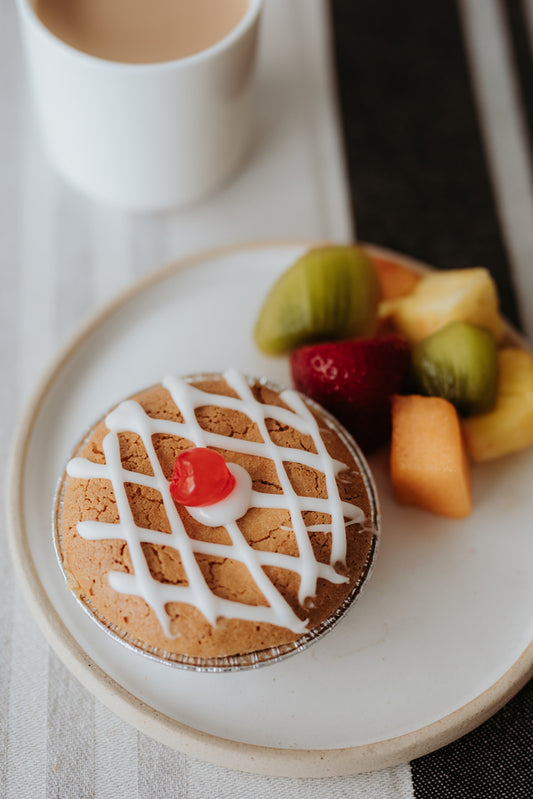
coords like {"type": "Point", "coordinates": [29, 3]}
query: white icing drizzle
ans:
{"type": "Point", "coordinates": [130, 416]}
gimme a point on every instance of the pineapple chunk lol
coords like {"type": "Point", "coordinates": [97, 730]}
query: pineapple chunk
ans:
{"type": "Point", "coordinates": [509, 426]}
{"type": "Point", "coordinates": [464, 295]}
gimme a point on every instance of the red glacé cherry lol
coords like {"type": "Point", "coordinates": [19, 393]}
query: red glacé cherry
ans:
{"type": "Point", "coordinates": [200, 477]}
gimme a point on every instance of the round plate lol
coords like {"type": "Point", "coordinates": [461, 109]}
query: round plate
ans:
{"type": "Point", "coordinates": [441, 637]}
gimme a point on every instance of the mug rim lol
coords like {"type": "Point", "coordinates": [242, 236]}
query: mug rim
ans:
{"type": "Point", "coordinates": [30, 17]}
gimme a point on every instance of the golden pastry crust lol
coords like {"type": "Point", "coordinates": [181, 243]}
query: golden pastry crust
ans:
{"type": "Point", "coordinates": [88, 562]}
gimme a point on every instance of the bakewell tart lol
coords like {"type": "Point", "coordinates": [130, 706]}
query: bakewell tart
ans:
{"type": "Point", "coordinates": [217, 521]}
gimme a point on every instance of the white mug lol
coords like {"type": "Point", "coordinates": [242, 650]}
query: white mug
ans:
{"type": "Point", "coordinates": [144, 137]}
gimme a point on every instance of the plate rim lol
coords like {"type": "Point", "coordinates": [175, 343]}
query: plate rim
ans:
{"type": "Point", "coordinates": [252, 758]}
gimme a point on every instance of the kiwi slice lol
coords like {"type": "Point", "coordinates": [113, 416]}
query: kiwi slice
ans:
{"type": "Point", "coordinates": [458, 363]}
{"type": "Point", "coordinates": [329, 293]}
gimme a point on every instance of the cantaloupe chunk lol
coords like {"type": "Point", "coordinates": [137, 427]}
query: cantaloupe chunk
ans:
{"type": "Point", "coordinates": [509, 426]}
{"type": "Point", "coordinates": [396, 280]}
{"type": "Point", "coordinates": [429, 465]}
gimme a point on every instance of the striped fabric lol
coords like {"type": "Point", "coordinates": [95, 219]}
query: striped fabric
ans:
{"type": "Point", "coordinates": [436, 118]}
{"type": "Point", "coordinates": [437, 112]}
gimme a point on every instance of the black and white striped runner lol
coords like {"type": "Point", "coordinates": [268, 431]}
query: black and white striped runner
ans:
{"type": "Point", "coordinates": [439, 168]}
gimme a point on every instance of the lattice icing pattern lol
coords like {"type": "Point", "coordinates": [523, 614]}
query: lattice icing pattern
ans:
{"type": "Point", "coordinates": [129, 416]}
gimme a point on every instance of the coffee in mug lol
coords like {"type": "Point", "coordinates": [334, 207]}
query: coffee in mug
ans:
{"type": "Point", "coordinates": [147, 105]}
{"type": "Point", "coordinates": [141, 31]}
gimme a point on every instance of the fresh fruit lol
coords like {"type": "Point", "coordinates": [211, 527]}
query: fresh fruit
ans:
{"type": "Point", "coordinates": [396, 280]}
{"type": "Point", "coordinates": [509, 426]}
{"type": "Point", "coordinates": [464, 295]}
{"type": "Point", "coordinates": [458, 363]}
{"type": "Point", "coordinates": [428, 463]}
{"type": "Point", "coordinates": [354, 380]}
{"type": "Point", "coordinates": [328, 293]}
{"type": "Point", "coordinates": [200, 477]}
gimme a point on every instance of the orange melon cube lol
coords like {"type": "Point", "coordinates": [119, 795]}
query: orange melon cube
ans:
{"type": "Point", "coordinates": [429, 466]}
{"type": "Point", "coordinates": [396, 280]}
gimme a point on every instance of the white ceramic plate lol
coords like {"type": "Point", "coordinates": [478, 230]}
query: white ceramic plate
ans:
{"type": "Point", "coordinates": [439, 640]}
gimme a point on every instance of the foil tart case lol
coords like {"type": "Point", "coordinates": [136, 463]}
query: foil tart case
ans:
{"type": "Point", "coordinates": [250, 660]}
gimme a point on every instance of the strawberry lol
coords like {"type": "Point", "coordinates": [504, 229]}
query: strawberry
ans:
{"type": "Point", "coordinates": [354, 380]}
